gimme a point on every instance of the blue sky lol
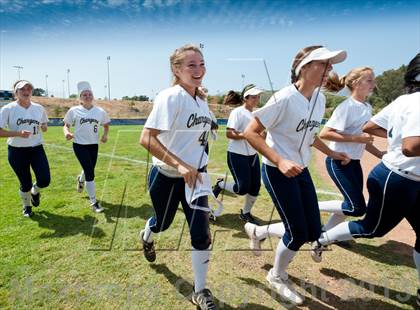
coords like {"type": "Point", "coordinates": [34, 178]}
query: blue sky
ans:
{"type": "Point", "coordinates": [51, 36]}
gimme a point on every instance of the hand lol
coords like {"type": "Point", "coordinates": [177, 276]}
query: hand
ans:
{"type": "Point", "coordinates": [104, 139]}
{"type": "Point", "coordinates": [189, 174]}
{"type": "Point", "coordinates": [69, 136]}
{"type": "Point", "coordinates": [365, 138]}
{"type": "Point", "coordinates": [44, 127]}
{"type": "Point", "coordinates": [289, 168]}
{"type": "Point", "coordinates": [345, 159]}
{"type": "Point", "coordinates": [24, 134]}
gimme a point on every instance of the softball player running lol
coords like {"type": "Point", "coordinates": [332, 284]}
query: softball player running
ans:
{"type": "Point", "coordinates": [394, 184]}
{"type": "Point", "coordinates": [86, 119]}
{"type": "Point", "coordinates": [242, 158]}
{"type": "Point", "coordinates": [176, 134]}
{"type": "Point", "coordinates": [344, 130]}
{"type": "Point", "coordinates": [22, 122]}
{"type": "Point", "coordinates": [291, 118]}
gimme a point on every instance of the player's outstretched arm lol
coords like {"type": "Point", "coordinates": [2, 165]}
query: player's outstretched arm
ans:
{"type": "Point", "coordinates": [9, 134]}
{"type": "Point", "coordinates": [374, 129]}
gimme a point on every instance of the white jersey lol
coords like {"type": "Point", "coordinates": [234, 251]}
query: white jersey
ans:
{"type": "Point", "coordinates": [348, 119]}
{"type": "Point", "coordinates": [285, 116]}
{"type": "Point", "coordinates": [86, 123]}
{"type": "Point", "coordinates": [184, 123]}
{"type": "Point", "coordinates": [239, 118]}
{"type": "Point", "coordinates": [401, 119]}
{"type": "Point", "coordinates": [14, 117]}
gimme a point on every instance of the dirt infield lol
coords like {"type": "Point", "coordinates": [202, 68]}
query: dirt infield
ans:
{"type": "Point", "coordinates": [403, 232]}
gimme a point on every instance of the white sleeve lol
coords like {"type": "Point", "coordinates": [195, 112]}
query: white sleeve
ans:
{"type": "Point", "coordinates": [44, 118]}
{"type": "Point", "coordinates": [382, 118]}
{"type": "Point", "coordinates": [233, 121]}
{"type": "Point", "coordinates": [164, 113]}
{"type": "Point", "coordinates": [271, 113]}
{"type": "Point", "coordinates": [411, 126]}
{"type": "Point", "coordinates": [339, 118]}
{"type": "Point", "coordinates": [69, 118]}
{"type": "Point", "coordinates": [4, 117]}
{"type": "Point", "coordinates": [105, 118]}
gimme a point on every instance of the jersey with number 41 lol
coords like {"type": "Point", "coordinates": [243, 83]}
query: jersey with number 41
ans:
{"type": "Point", "coordinates": [14, 117]}
{"type": "Point", "coordinates": [86, 123]}
{"type": "Point", "coordinates": [184, 122]}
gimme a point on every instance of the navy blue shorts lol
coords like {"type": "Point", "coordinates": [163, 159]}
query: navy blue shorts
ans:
{"type": "Point", "coordinates": [391, 198]}
{"type": "Point", "coordinates": [87, 154]}
{"type": "Point", "coordinates": [166, 193]}
{"type": "Point", "coordinates": [349, 180]}
{"type": "Point", "coordinates": [246, 172]}
{"type": "Point", "coordinates": [296, 201]}
{"type": "Point", "coordinates": [22, 159]}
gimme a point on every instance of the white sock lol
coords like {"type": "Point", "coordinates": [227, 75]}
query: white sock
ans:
{"type": "Point", "coordinates": [148, 233]}
{"type": "Point", "coordinates": [35, 189]}
{"type": "Point", "coordinates": [334, 220]}
{"type": "Point", "coordinates": [227, 186]}
{"type": "Point", "coordinates": [272, 230]}
{"type": "Point", "coordinates": [416, 256]}
{"type": "Point", "coordinates": [333, 206]}
{"type": "Point", "coordinates": [341, 232]}
{"type": "Point", "coordinates": [249, 202]}
{"type": "Point", "coordinates": [200, 263]}
{"type": "Point", "coordinates": [82, 176]}
{"type": "Point", "coordinates": [282, 260]}
{"type": "Point", "coordinates": [90, 188]}
{"type": "Point", "coordinates": [25, 197]}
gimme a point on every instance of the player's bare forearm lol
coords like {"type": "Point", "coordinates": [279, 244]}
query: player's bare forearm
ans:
{"type": "Point", "coordinates": [234, 135]}
{"type": "Point", "coordinates": [374, 151]}
{"type": "Point", "coordinates": [332, 135]}
{"type": "Point", "coordinates": [11, 134]}
{"type": "Point", "coordinates": [374, 129]}
{"type": "Point", "coordinates": [321, 146]}
{"type": "Point", "coordinates": [411, 146]}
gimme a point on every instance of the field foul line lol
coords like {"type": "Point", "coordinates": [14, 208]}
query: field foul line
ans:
{"type": "Point", "coordinates": [142, 162]}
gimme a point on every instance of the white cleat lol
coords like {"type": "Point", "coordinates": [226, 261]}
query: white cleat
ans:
{"type": "Point", "coordinates": [316, 251]}
{"type": "Point", "coordinates": [254, 242]}
{"type": "Point", "coordinates": [283, 288]}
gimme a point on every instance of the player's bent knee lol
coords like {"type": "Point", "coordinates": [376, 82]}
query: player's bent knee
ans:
{"type": "Point", "coordinates": [202, 243]}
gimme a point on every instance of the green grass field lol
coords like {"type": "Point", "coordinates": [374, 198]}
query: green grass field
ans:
{"type": "Point", "coordinates": [67, 257]}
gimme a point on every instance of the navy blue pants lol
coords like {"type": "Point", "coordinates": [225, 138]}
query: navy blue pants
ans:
{"type": "Point", "coordinates": [349, 180]}
{"type": "Point", "coordinates": [296, 201]}
{"type": "Point", "coordinates": [391, 198]}
{"type": "Point", "coordinates": [166, 194]}
{"type": "Point", "coordinates": [246, 172]}
{"type": "Point", "coordinates": [87, 154]}
{"type": "Point", "coordinates": [22, 159]}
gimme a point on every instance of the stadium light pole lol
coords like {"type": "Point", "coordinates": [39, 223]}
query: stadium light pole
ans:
{"type": "Point", "coordinates": [68, 81]}
{"type": "Point", "coordinates": [64, 95]}
{"type": "Point", "coordinates": [46, 85]}
{"type": "Point", "coordinates": [18, 68]}
{"type": "Point", "coordinates": [105, 91]}
{"type": "Point", "coordinates": [109, 86]}
{"type": "Point", "coordinates": [243, 80]}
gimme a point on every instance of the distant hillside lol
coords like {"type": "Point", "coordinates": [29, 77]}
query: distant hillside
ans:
{"type": "Point", "coordinates": [57, 107]}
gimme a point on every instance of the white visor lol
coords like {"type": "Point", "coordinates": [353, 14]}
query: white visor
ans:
{"type": "Point", "coordinates": [22, 84]}
{"type": "Point", "coordinates": [322, 53]}
{"type": "Point", "coordinates": [82, 86]}
{"type": "Point", "coordinates": [253, 92]}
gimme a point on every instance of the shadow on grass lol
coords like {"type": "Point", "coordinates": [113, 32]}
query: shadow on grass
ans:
{"type": "Point", "coordinates": [114, 211]}
{"type": "Point", "coordinates": [385, 292]}
{"type": "Point", "coordinates": [402, 253]}
{"type": "Point", "coordinates": [64, 226]}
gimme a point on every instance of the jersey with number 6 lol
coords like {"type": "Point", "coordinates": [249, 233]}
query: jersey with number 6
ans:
{"type": "Point", "coordinates": [14, 117]}
{"type": "Point", "coordinates": [184, 123]}
{"type": "Point", "coordinates": [86, 123]}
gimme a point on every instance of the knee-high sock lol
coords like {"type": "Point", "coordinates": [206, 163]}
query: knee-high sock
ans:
{"type": "Point", "coordinates": [334, 220]}
{"type": "Point", "coordinates": [227, 186]}
{"type": "Point", "coordinates": [416, 256]}
{"type": "Point", "coordinates": [35, 189]}
{"type": "Point", "coordinates": [90, 188]}
{"type": "Point", "coordinates": [341, 232]}
{"type": "Point", "coordinates": [272, 230]}
{"type": "Point", "coordinates": [249, 203]}
{"type": "Point", "coordinates": [282, 260]}
{"type": "Point", "coordinates": [26, 198]}
{"type": "Point", "coordinates": [333, 206]}
{"type": "Point", "coordinates": [82, 176]}
{"type": "Point", "coordinates": [200, 263]}
{"type": "Point", "coordinates": [148, 233]}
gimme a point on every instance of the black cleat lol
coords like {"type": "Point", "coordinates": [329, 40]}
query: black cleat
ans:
{"type": "Point", "coordinates": [35, 199]}
{"type": "Point", "coordinates": [216, 188]}
{"type": "Point", "coordinates": [204, 300]}
{"type": "Point", "coordinates": [27, 211]}
{"type": "Point", "coordinates": [97, 208]}
{"type": "Point", "coordinates": [247, 217]}
{"type": "Point", "coordinates": [148, 249]}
